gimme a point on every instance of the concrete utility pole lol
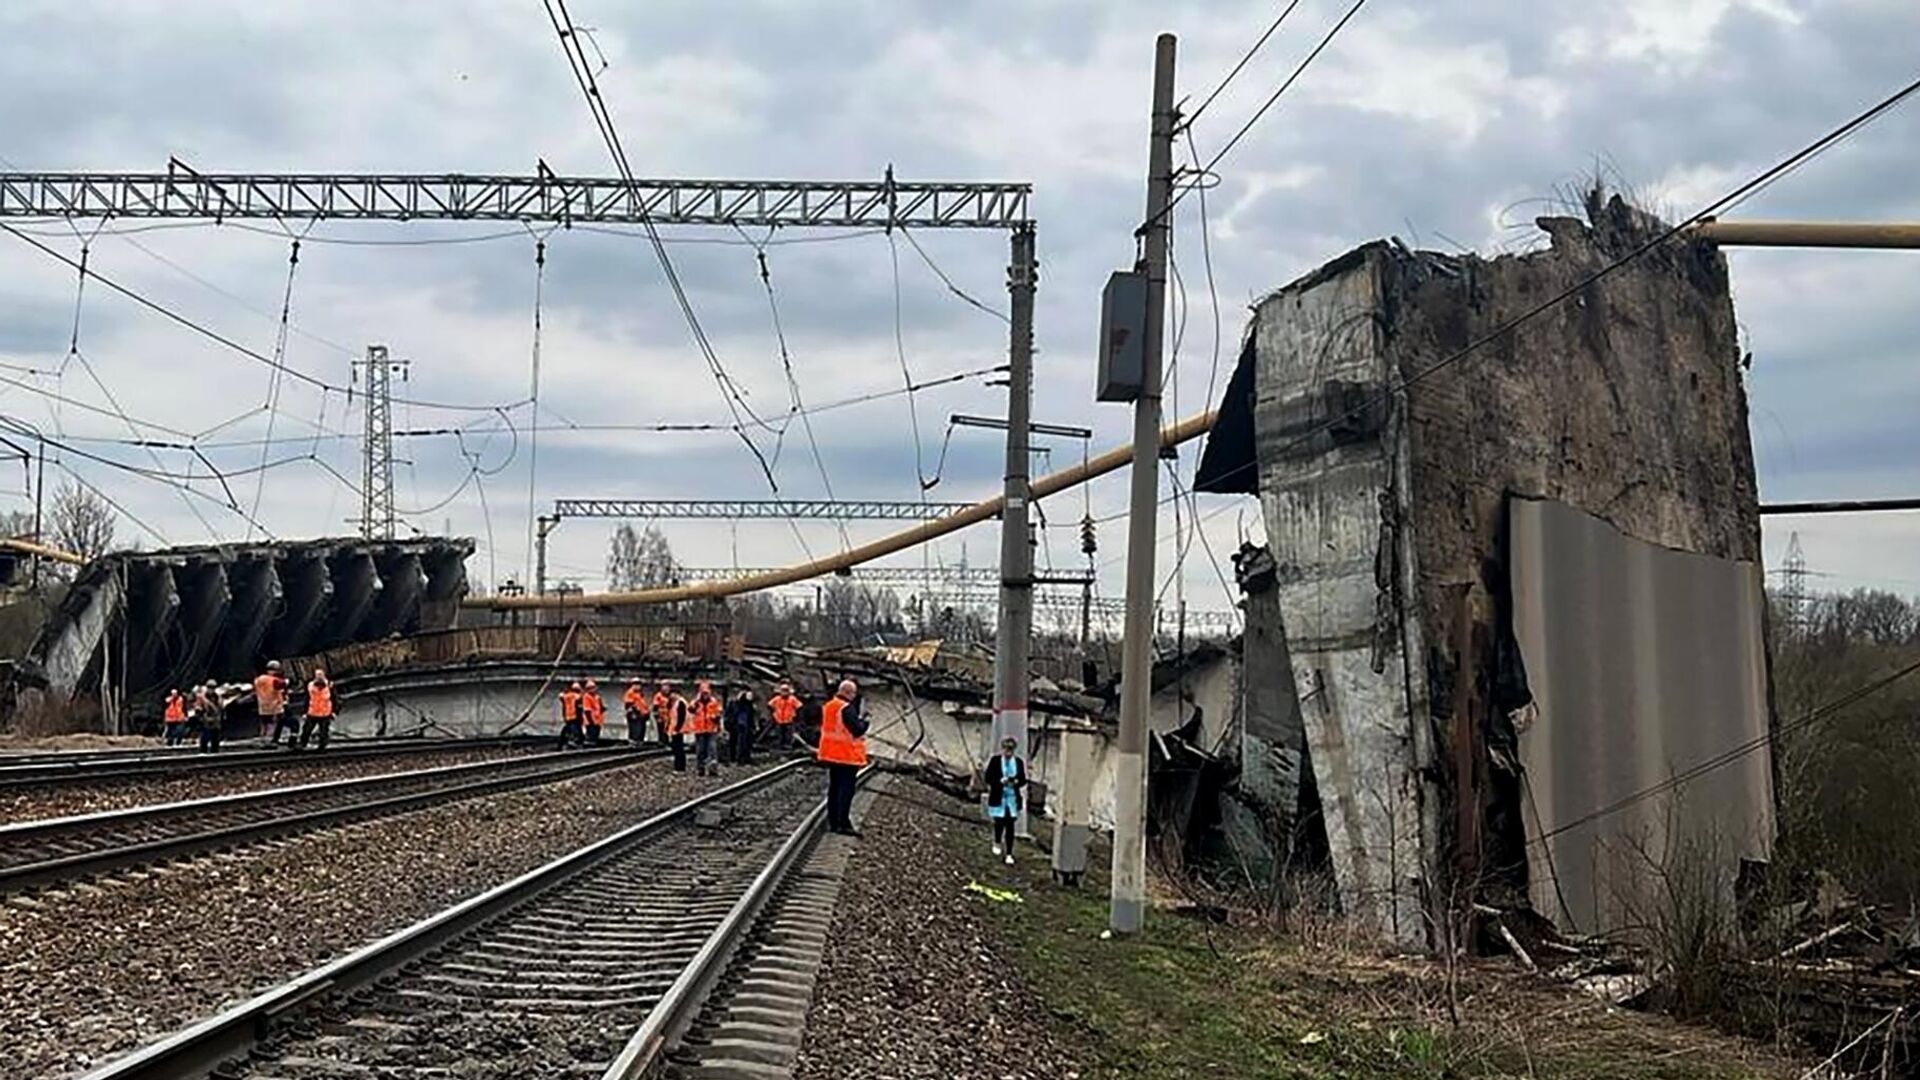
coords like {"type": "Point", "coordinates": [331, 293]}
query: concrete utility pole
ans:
{"type": "Point", "coordinates": [1014, 640]}
{"type": "Point", "coordinates": [1129, 903]}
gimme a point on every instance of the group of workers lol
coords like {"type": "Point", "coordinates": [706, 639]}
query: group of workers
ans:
{"type": "Point", "coordinates": [672, 717]}
{"type": "Point", "coordinates": [204, 709]}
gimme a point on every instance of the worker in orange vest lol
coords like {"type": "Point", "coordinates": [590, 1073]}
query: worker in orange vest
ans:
{"type": "Point", "coordinates": [784, 708]}
{"type": "Point", "coordinates": [634, 703]}
{"type": "Point", "coordinates": [270, 701]}
{"type": "Point", "coordinates": [570, 733]}
{"type": "Point", "coordinates": [843, 750]}
{"type": "Point", "coordinates": [703, 717]}
{"type": "Point", "coordinates": [174, 719]}
{"type": "Point", "coordinates": [593, 712]}
{"type": "Point", "coordinates": [319, 709]}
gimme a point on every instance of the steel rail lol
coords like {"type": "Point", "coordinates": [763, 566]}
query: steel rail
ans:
{"type": "Point", "coordinates": [115, 857]}
{"type": "Point", "coordinates": [677, 1010]}
{"type": "Point", "coordinates": [203, 1047]}
{"type": "Point", "coordinates": [88, 766]}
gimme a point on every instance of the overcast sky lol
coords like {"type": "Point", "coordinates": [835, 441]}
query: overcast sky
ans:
{"type": "Point", "coordinates": [1444, 124]}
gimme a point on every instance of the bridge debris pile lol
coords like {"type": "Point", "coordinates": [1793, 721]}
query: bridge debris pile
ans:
{"type": "Point", "coordinates": [136, 623]}
{"type": "Point", "coordinates": [1390, 409]}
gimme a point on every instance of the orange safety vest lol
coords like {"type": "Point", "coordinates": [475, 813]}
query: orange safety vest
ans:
{"type": "Point", "coordinates": [269, 694]}
{"type": "Point", "coordinates": [176, 709]}
{"type": "Point", "coordinates": [569, 705]}
{"type": "Point", "coordinates": [320, 700]}
{"type": "Point", "coordinates": [838, 746]}
{"type": "Point", "coordinates": [784, 707]}
{"type": "Point", "coordinates": [635, 699]}
{"type": "Point", "coordinates": [593, 708]}
{"type": "Point", "coordinates": [704, 718]}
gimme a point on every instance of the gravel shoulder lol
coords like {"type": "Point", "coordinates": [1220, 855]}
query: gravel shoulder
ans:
{"type": "Point", "coordinates": [60, 800]}
{"type": "Point", "coordinates": [925, 978]}
{"type": "Point", "coordinates": [93, 970]}
{"type": "Point", "coordinates": [914, 983]}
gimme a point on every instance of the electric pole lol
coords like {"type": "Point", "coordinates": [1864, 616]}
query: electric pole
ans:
{"type": "Point", "coordinates": [376, 474]}
{"type": "Point", "coordinates": [1793, 592]}
{"type": "Point", "coordinates": [1013, 642]}
{"type": "Point", "coordinates": [1129, 899]}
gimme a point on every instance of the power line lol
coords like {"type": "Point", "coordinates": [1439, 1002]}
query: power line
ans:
{"type": "Point", "coordinates": [1263, 109]}
{"type": "Point", "coordinates": [214, 335]}
{"type": "Point", "coordinates": [162, 476]}
{"type": "Point", "coordinates": [273, 377]}
{"type": "Point", "coordinates": [1792, 162]}
{"type": "Point", "coordinates": [793, 389]}
{"type": "Point", "coordinates": [603, 120]}
{"type": "Point", "coordinates": [321, 433]}
{"type": "Point", "coordinates": [956, 290]}
{"type": "Point", "coordinates": [1244, 60]}
{"type": "Point", "coordinates": [906, 373]}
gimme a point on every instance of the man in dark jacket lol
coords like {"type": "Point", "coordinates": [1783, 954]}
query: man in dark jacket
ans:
{"type": "Point", "coordinates": [740, 727]}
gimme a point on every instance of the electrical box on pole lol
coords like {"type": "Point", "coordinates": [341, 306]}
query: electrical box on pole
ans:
{"type": "Point", "coordinates": [1123, 320]}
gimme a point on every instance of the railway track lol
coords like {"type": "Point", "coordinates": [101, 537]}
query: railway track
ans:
{"type": "Point", "coordinates": [96, 766]}
{"type": "Point", "coordinates": [36, 853]}
{"type": "Point", "coordinates": [596, 964]}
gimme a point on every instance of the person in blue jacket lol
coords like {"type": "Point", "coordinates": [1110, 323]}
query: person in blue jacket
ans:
{"type": "Point", "coordinates": [1006, 780]}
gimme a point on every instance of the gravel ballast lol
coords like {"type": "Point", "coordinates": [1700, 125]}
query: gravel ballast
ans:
{"type": "Point", "coordinates": [90, 971]}
{"type": "Point", "coordinates": [913, 985]}
{"type": "Point", "coordinates": [32, 803]}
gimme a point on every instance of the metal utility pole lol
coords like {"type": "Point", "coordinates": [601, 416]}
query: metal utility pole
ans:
{"type": "Point", "coordinates": [1129, 901]}
{"type": "Point", "coordinates": [39, 510]}
{"type": "Point", "coordinates": [1014, 639]}
{"type": "Point", "coordinates": [376, 473]}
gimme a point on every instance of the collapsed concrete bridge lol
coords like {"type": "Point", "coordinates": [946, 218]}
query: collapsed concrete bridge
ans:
{"type": "Point", "coordinates": [135, 624]}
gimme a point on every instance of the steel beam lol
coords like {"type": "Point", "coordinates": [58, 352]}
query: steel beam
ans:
{"type": "Point", "coordinates": [1843, 506]}
{"type": "Point", "coordinates": [741, 509]}
{"type": "Point", "coordinates": [568, 200]}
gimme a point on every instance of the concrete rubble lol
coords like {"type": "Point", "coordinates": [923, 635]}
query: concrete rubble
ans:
{"type": "Point", "coordinates": [1385, 425]}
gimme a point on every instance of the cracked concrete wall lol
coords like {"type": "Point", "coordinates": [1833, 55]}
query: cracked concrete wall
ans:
{"type": "Point", "coordinates": [1385, 458]}
{"type": "Point", "coordinates": [1334, 498]}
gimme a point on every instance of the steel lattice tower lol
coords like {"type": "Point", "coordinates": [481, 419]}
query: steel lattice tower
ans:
{"type": "Point", "coordinates": [376, 474]}
{"type": "Point", "coordinates": [1793, 586]}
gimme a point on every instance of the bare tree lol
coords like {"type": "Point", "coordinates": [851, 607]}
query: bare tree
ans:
{"type": "Point", "coordinates": [640, 560]}
{"type": "Point", "coordinates": [80, 521]}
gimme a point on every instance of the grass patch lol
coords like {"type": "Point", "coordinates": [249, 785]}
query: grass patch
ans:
{"type": "Point", "coordinates": [1191, 1000]}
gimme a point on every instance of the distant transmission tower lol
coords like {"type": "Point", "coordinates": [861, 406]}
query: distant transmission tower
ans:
{"type": "Point", "coordinates": [376, 475]}
{"type": "Point", "coordinates": [1793, 586]}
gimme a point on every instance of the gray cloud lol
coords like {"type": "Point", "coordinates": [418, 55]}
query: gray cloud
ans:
{"type": "Point", "coordinates": [1418, 122]}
